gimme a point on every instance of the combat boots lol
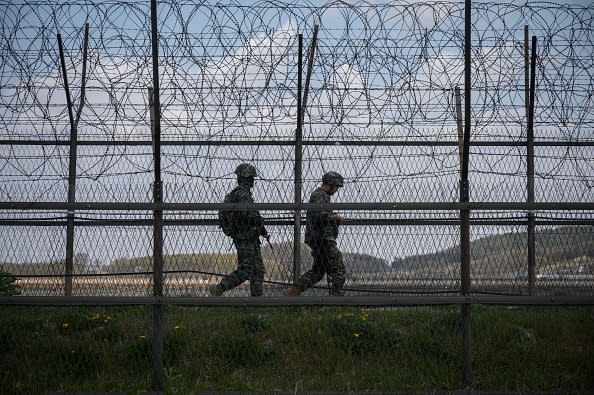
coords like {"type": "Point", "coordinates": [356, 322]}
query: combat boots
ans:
{"type": "Point", "coordinates": [294, 291]}
{"type": "Point", "coordinates": [216, 290]}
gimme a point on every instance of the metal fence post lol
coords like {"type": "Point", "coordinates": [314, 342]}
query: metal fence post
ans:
{"type": "Point", "coordinates": [530, 174]}
{"type": "Point", "coordinates": [158, 377]}
{"type": "Point", "coordinates": [69, 263]}
{"type": "Point", "coordinates": [459, 123]}
{"type": "Point", "coordinates": [298, 167]}
{"type": "Point", "coordinates": [526, 72]}
{"type": "Point", "coordinates": [71, 180]}
{"type": "Point", "coordinates": [466, 308]}
{"type": "Point", "coordinates": [310, 59]}
{"type": "Point", "coordinates": [301, 105]}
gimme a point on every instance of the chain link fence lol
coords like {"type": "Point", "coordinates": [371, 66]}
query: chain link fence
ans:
{"type": "Point", "coordinates": [368, 90]}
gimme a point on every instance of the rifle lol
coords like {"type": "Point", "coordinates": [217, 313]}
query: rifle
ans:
{"type": "Point", "coordinates": [267, 237]}
{"type": "Point", "coordinates": [264, 233]}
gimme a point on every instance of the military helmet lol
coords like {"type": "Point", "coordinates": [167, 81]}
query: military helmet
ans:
{"type": "Point", "coordinates": [333, 178]}
{"type": "Point", "coordinates": [246, 170]}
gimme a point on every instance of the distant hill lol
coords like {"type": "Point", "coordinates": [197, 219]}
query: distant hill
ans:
{"type": "Point", "coordinates": [278, 261]}
{"type": "Point", "coordinates": [40, 268]}
{"type": "Point", "coordinates": [560, 249]}
{"type": "Point", "coordinates": [508, 253]}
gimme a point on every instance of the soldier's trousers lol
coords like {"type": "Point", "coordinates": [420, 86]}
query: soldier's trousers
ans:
{"type": "Point", "coordinates": [249, 267]}
{"type": "Point", "coordinates": [327, 260]}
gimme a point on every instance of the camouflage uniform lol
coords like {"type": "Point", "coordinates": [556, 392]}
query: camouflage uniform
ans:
{"type": "Point", "coordinates": [249, 225]}
{"type": "Point", "coordinates": [320, 234]}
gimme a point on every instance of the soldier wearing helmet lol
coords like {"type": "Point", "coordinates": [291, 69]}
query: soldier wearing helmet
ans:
{"type": "Point", "coordinates": [245, 229]}
{"type": "Point", "coordinates": [320, 234]}
{"type": "Point", "coordinates": [332, 178]}
{"type": "Point", "coordinates": [246, 172]}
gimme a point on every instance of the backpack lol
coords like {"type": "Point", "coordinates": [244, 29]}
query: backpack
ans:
{"type": "Point", "coordinates": [226, 219]}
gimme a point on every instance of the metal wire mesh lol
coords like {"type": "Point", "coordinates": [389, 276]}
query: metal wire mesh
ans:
{"type": "Point", "coordinates": [425, 260]}
{"type": "Point", "coordinates": [381, 111]}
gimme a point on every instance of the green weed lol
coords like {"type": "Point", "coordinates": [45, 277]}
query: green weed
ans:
{"type": "Point", "coordinates": [48, 349]}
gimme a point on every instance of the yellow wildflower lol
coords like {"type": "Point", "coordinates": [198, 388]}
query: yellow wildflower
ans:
{"type": "Point", "coordinates": [142, 337]}
{"type": "Point", "coordinates": [177, 327]}
{"type": "Point", "coordinates": [65, 325]}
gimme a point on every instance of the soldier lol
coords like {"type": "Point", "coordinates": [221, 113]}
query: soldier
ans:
{"type": "Point", "coordinates": [320, 234]}
{"type": "Point", "coordinates": [245, 228]}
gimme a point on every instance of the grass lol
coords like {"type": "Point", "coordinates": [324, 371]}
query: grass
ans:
{"type": "Point", "coordinates": [46, 349]}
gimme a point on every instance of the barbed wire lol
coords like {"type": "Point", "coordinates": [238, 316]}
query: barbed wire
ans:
{"type": "Point", "coordinates": [381, 72]}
